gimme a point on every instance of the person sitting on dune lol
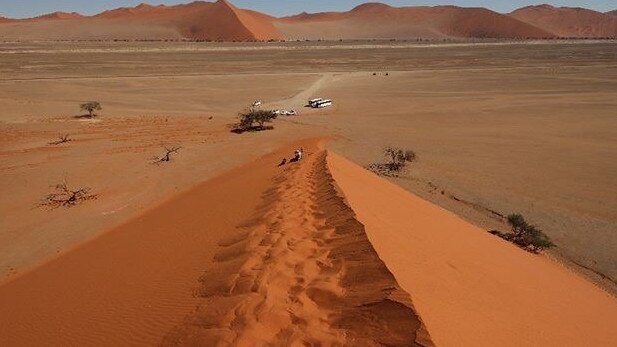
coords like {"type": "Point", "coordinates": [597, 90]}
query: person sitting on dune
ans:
{"type": "Point", "coordinates": [297, 156]}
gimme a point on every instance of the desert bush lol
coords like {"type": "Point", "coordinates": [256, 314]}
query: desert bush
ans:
{"type": "Point", "coordinates": [254, 120]}
{"type": "Point", "coordinates": [398, 159]}
{"type": "Point", "coordinates": [62, 139]}
{"type": "Point", "coordinates": [63, 196]}
{"type": "Point", "coordinates": [91, 107]}
{"type": "Point", "coordinates": [525, 235]}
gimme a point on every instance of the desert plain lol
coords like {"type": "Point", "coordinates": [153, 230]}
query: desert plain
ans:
{"type": "Point", "coordinates": [498, 127]}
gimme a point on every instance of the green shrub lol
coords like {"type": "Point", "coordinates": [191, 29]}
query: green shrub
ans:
{"type": "Point", "coordinates": [397, 160]}
{"type": "Point", "coordinates": [91, 107]}
{"type": "Point", "coordinates": [525, 235]}
{"type": "Point", "coordinates": [254, 120]}
{"type": "Point", "coordinates": [398, 157]}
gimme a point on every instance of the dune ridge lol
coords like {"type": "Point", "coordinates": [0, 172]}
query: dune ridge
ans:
{"type": "Point", "coordinates": [472, 288]}
{"type": "Point", "coordinates": [376, 20]}
{"type": "Point", "coordinates": [135, 282]}
{"type": "Point", "coordinates": [330, 253]}
{"type": "Point", "coordinates": [59, 15]}
{"type": "Point", "coordinates": [198, 20]}
{"type": "Point", "coordinates": [221, 20]}
{"type": "Point", "coordinates": [568, 21]}
{"type": "Point", "coordinates": [301, 271]}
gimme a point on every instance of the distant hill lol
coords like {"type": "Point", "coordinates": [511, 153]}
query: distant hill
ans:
{"type": "Point", "coordinates": [197, 20]}
{"type": "Point", "coordinates": [221, 20]}
{"type": "Point", "coordinates": [382, 21]}
{"type": "Point", "coordinates": [568, 21]}
{"type": "Point", "coordinates": [59, 15]}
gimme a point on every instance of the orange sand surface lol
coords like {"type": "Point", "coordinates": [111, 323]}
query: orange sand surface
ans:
{"type": "Point", "coordinates": [200, 269]}
{"type": "Point", "coordinates": [294, 255]}
{"type": "Point", "coordinates": [134, 283]}
{"type": "Point", "coordinates": [469, 287]}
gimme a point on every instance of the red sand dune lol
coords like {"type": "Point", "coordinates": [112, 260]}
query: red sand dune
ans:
{"type": "Point", "coordinates": [567, 21]}
{"type": "Point", "coordinates": [382, 21]}
{"type": "Point", "coordinates": [320, 251]}
{"type": "Point", "coordinates": [259, 254]}
{"type": "Point", "coordinates": [137, 281]}
{"type": "Point", "coordinates": [223, 21]}
{"type": "Point", "coordinates": [469, 287]}
{"type": "Point", "coordinates": [140, 9]}
{"type": "Point", "coordinates": [59, 15]}
{"type": "Point", "coordinates": [197, 20]}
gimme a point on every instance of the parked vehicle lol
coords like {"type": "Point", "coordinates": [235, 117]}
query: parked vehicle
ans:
{"type": "Point", "coordinates": [257, 103]}
{"type": "Point", "coordinates": [322, 103]}
{"type": "Point", "coordinates": [312, 102]}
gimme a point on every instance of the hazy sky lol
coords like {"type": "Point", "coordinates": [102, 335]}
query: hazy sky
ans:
{"type": "Point", "coordinates": [30, 8]}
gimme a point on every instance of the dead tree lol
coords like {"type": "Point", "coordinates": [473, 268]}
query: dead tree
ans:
{"type": "Point", "coordinates": [167, 156]}
{"type": "Point", "coordinates": [63, 196]}
{"type": "Point", "coordinates": [63, 139]}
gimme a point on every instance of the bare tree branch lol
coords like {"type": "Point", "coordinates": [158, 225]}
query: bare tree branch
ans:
{"type": "Point", "coordinates": [63, 196]}
{"type": "Point", "coordinates": [63, 139]}
{"type": "Point", "coordinates": [167, 156]}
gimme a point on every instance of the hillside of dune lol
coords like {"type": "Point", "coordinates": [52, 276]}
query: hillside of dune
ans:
{"type": "Point", "coordinates": [383, 21]}
{"type": "Point", "coordinates": [198, 20]}
{"type": "Point", "coordinates": [59, 15]}
{"type": "Point", "coordinates": [469, 287]}
{"type": "Point", "coordinates": [222, 21]}
{"type": "Point", "coordinates": [568, 21]}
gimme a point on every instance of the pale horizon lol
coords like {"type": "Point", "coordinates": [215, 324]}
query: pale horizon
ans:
{"type": "Point", "coordinates": [33, 8]}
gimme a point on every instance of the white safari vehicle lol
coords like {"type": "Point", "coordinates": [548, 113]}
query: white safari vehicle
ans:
{"type": "Point", "coordinates": [312, 102]}
{"type": "Point", "coordinates": [320, 103]}
{"type": "Point", "coordinates": [323, 103]}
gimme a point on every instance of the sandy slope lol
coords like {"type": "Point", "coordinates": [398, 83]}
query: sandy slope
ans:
{"type": "Point", "coordinates": [383, 21]}
{"type": "Point", "coordinates": [198, 20]}
{"type": "Point", "coordinates": [567, 21]}
{"type": "Point", "coordinates": [471, 288]}
{"type": "Point", "coordinates": [59, 15]}
{"type": "Point", "coordinates": [320, 251]}
{"type": "Point", "coordinates": [221, 20]}
{"type": "Point", "coordinates": [158, 265]}
{"type": "Point", "coordinates": [300, 269]}
{"type": "Point", "coordinates": [136, 282]}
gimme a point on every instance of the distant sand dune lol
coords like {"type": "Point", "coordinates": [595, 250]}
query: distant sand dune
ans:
{"type": "Point", "coordinates": [568, 22]}
{"type": "Point", "coordinates": [198, 20]}
{"type": "Point", "coordinates": [221, 20]}
{"type": "Point", "coordinates": [382, 21]}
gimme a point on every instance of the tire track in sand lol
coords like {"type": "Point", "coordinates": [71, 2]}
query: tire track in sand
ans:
{"type": "Point", "coordinates": [301, 271]}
